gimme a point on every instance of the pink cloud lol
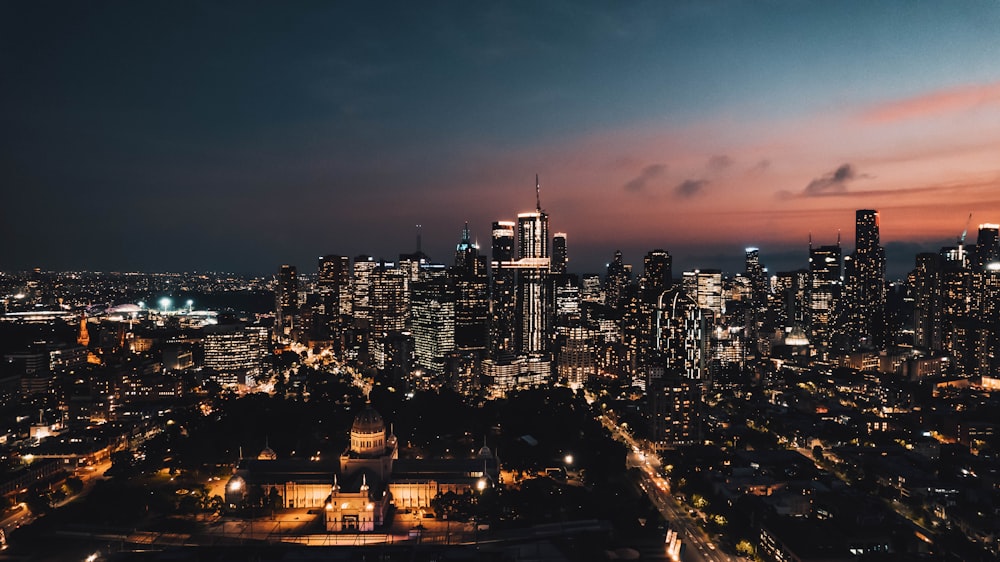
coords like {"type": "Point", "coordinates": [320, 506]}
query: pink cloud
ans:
{"type": "Point", "coordinates": [964, 98]}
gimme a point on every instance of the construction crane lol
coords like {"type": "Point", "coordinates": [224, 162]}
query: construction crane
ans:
{"type": "Point", "coordinates": [961, 240]}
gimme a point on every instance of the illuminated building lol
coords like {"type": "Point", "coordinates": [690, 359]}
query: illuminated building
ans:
{"type": "Point", "coordinates": [672, 402]}
{"type": "Point", "coordinates": [559, 256]}
{"type": "Point", "coordinates": [354, 492]}
{"type": "Point", "coordinates": [567, 300]}
{"type": "Point", "coordinates": [235, 352]}
{"type": "Point", "coordinates": [533, 269]}
{"type": "Point", "coordinates": [590, 288]}
{"type": "Point", "coordinates": [619, 275]}
{"type": "Point", "coordinates": [682, 334]}
{"type": "Point", "coordinates": [333, 283]}
{"type": "Point", "coordinates": [432, 307]}
{"type": "Point", "coordinates": [927, 301]}
{"type": "Point", "coordinates": [576, 362]}
{"type": "Point", "coordinates": [503, 290]}
{"type": "Point", "coordinates": [987, 249]}
{"type": "Point", "coordinates": [865, 276]}
{"type": "Point", "coordinates": [657, 274]}
{"type": "Point", "coordinates": [471, 287]}
{"type": "Point", "coordinates": [287, 295]}
{"type": "Point", "coordinates": [705, 287]}
{"type": "Point", "coordinates": [360, 305]}
{"type": "Point", "coordinates": [824, 296]}
{"type": "Point", "coordinates": [389, 306]}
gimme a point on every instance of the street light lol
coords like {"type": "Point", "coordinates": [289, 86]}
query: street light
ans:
{"type": "Point", "coordinates": [568, 459]}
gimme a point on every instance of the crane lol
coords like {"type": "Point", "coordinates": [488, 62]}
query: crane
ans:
{"type": "Point", "coordinates": [961, 240]}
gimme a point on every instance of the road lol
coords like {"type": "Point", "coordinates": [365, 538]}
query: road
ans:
{"type": "Point", "coordinates": [698, 546]}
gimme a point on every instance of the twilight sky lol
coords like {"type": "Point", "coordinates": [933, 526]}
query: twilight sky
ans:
{"type": "Point", "coordinates": [241, 135]}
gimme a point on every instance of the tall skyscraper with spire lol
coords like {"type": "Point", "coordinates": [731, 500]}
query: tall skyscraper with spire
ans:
{"type": "Point", "coordinates": [533, 263]}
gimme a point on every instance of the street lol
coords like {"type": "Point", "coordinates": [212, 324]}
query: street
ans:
{"type": "Point", "coordinates": [698, 546]}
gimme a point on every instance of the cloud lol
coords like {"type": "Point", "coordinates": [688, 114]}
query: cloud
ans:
{"type": "Point", "coordinates": [961, 99]}
{"type": "Point", "coordinates": [689, 188]}
{"type": "Point", "coordinates": [649, 173]}
{"type": "Point", "coordinates": [719, 163]}
{"type": "Point", "coordinates": [834, 183]}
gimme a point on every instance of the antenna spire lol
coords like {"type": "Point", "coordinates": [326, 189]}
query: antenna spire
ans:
{"type": "Point", "coordinates": [538, 197]}
{"type": "Point", "coordinates": [419, 226]}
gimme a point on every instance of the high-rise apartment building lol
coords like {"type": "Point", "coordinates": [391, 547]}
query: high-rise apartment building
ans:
{"type": "Point", "coordinates": [287, 299]}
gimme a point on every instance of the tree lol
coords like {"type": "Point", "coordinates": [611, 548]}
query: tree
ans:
{"type": "Point", "coordinates": [744, 548]}
{"type": "Point", "coordinates": [818, 453]}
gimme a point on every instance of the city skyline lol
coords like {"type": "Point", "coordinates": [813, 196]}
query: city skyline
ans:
{"type": "Point", "coordinates": [222, 137]}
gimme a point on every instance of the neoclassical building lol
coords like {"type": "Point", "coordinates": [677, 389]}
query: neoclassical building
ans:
{"type": "Point", "coordinates": [356, 492]}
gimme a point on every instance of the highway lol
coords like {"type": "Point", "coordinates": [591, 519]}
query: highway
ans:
{"type": "Point", "coordinates": [698, 546]}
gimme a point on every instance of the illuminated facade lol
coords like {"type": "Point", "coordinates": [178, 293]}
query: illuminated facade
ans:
{"type": "Point", "coordinates": [824, 296]}
{"type": "Point", "coordinates": [354, 492]}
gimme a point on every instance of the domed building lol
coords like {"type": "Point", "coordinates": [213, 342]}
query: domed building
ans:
{"type": "Point", "coordinates": [356, 492]}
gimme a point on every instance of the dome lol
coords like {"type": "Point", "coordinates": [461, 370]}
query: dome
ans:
{"type": "Point", "coordinates": [267, 454]}
{"type": "Point", "coordinates": [368, 421]}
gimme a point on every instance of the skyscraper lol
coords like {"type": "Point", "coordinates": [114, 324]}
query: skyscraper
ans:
{"type": "Point", "coordinates": [559, 257]}
{"type": "Point", "coordinates": [287, 299]}
{"type": "Point", "coordinates": [503, 290]}
{"type": "Point", "coordinates": [618, 278]}
{"type": "Point", "coordinates": [824, 295]}
{"type": "Point", "coordinates": [866, 277]}
{"type": "Point", "coordinates": [334, 285]}
{"type": "Point", "coordinates": [533, 269]}
{"type": "Point", "coordinates": [470, 283]}
{"type": "Point", "coordinates": [657, 274]}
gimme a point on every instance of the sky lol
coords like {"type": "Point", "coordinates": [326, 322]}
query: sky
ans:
{"type": "Point", "coordinates": [237, 136]}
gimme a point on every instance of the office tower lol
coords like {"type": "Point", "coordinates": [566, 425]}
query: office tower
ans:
{"type": "Point", "coordinates": [559, 257]}
{"type": "Point", "coordinates": [567, 299]}
{"type": "Point", "coordinates": [824, 296]}
{"type": "Point", "coordinates": [503, 290]}
{"type": "Point", "coordinates": [361, 305]}
{"type": "Point", "coordinates": [926, 277]}
{"type": "Point", "coordinates": [705, 287]}
{"type": "Point", "coordinates": [755, 306]}
{"type": "Point", "coordinates": [957, 324]}
{"type": "Point", "coordinates": [866, 278]}
{"type": "Point", "coordinates": [235, 353]}
{"type": "Point", "coordinates": [287, 299]}
{"type": "Point", "coordinates": [333, 283]}
{"type": "Point", "coordinates": [471, 287]}
{"type": "Point", "coordinates": [533, 231]}
{"type": "Point", "coordinates": [433, 316]}
{"type": "Point", "coordinates": [788, 298]}
{"type": "Point", "coordinates": [389, 298]}
{"type": "Point", "coordinates": [657, 274]}
{"type": "Point", "coordinates": [534, 316]}
{"type": "Point", "coordinates": [619, 276]}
